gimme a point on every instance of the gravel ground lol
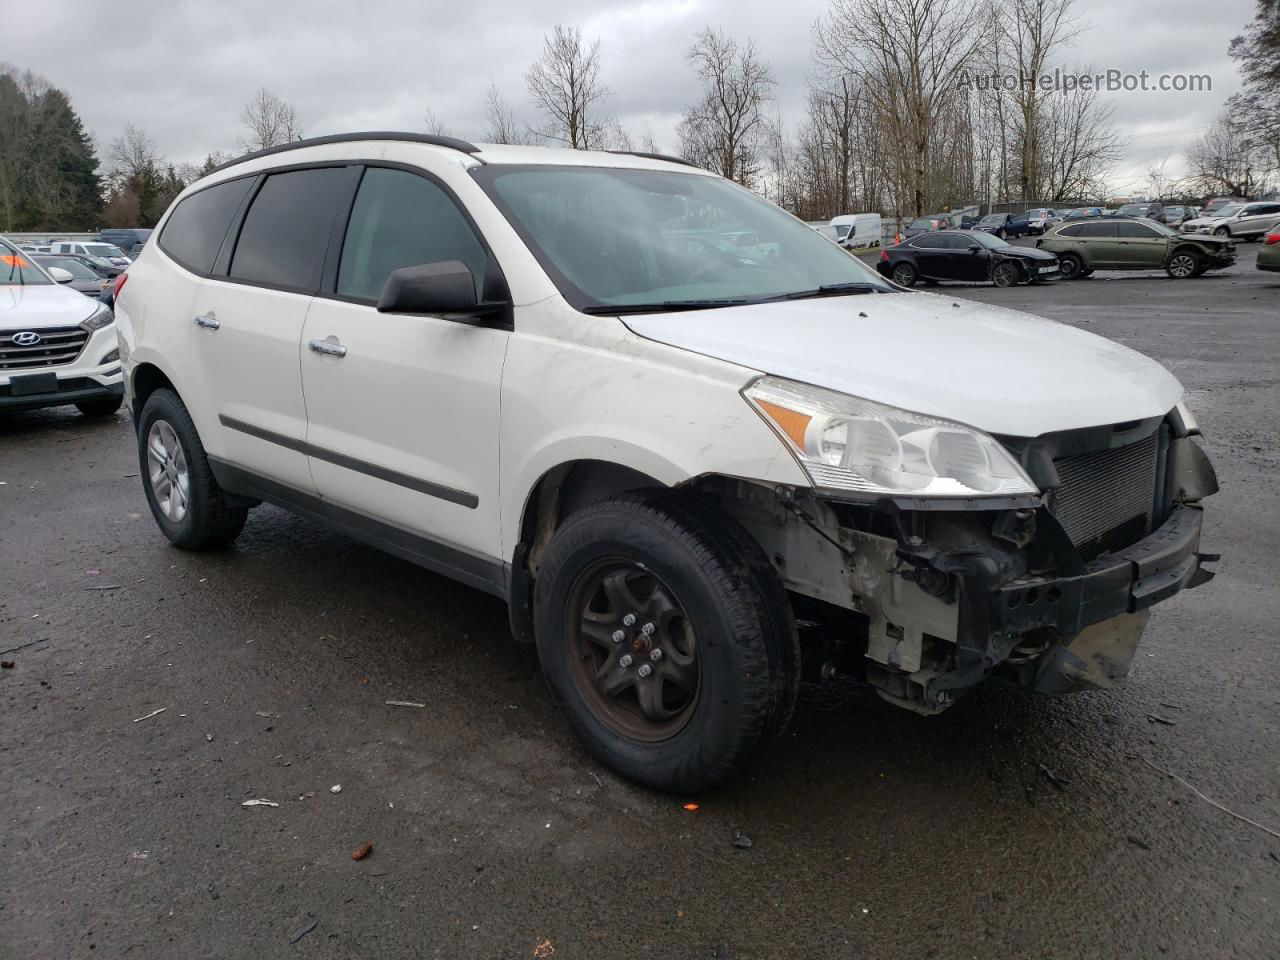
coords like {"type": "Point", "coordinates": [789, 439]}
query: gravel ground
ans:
{"type": "Point", "coordinates": [1009, 826]}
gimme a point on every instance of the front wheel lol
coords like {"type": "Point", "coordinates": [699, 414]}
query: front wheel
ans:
{"type": "Point", "coordinates": [185, 499]}
{"type": "Point", "coordinates": [1183, 264]}
{"type": "Point", "coordinates": [1070, 266]}
{"type": "Point", "coordinates": [1222, 232]}
{"type": "Point", "coordinates": [1005, 275]}
{"type": "Point", "coordinates": [904, 275]}
{"type": "Point", "coordinates": [666, 637]}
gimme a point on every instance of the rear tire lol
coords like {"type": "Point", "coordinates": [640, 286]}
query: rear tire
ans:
{"type": "Point", "coordinates": [904, 275]}
{"type": "Point", "coordinates": [185, 499]}
{"type": "Point", "coordinates": [1070, 266]}
{"type": "Point", "coordinates": [727, 674]}
{"type": "Point", "coordinates": [100, 408]}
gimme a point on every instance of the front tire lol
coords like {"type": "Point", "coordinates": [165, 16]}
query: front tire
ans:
{"type": "Point", "coordinates": [1005, 275]}
{"type": "Point", "coordinates": [1070, 266]}
{"type": "Point", "coordinates": [185, 499]}
{"type": "Point", "coordinates": [1222, 232]}
{"type": "Point", "coordinates": [100, 408]}
{"type": "Point", "coordinates": [651, 571]}
{"type": "Point", "coordinates": [1183, 265]}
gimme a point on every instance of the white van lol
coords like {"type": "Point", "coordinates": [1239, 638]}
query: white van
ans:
{"type": "Point", "coordinates": [855, 230]}
{"type": "Point", "coordinates": [538, 372]}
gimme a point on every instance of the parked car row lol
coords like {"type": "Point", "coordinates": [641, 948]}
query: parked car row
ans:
{"type": "Point", "coordinates": [57, 346]}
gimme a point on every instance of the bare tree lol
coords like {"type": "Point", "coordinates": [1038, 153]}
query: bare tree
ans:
{"type": "Point", "coordinates": [132, 155]}
{"type": "Point", "coordinates": [565, 85]}
{"type": "Point", "coordinates": [501, 125]}
{"type": "Point", "coordinates": [1227, 160]}
{"type": "Point", "coordinates": [910, 56]}
{"type": "Point", "coordinates": [1079, 145]}
{"type": "Point", "coordinates": [1032, 31]}
{"type": "Point", "coordinates": [268, 122]}
{"type": "Point", "coordinates": [435, 126]}
{"type": "Point", "coordinates": [723, 131]}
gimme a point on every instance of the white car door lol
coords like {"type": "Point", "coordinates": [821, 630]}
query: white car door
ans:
{"type": "Point", "coordinates": [248, 326]}
{"type": "Point", "coordinates": [403, 410]}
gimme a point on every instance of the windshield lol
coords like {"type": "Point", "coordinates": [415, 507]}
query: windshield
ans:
{"type": "Point", "coordinates": [1231, 209]}
{"type": "Point", "coordinates": [994, 218]}
{"type": "Point", "coordinates": [17, 269]}
{"type": "Point", "coordinates": [1160, 228]}
{"type": "Point", "coordinates": [73, 266]}
{"type": "Point", "coordinates": [641, 238]}
{"type": "Point", "coordinates": [103, 250]}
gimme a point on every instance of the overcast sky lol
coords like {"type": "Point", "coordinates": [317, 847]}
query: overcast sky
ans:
{"type": "Point", "coordinates": [182, 69]}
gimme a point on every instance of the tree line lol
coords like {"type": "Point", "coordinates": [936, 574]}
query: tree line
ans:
{"type": "Point", "coordinates": [912, 106]}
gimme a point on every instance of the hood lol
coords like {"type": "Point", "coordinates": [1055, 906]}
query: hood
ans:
{"type": "Point", "coordinates": [1000, 370]}
{"type": "Point", "coordinates": [1026, 253]}
{"type": "Point", "coordinates": [39, 306]}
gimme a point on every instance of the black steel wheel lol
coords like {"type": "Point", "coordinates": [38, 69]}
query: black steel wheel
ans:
{"type": "Point", "coordinates": [666, 637]}
{"type": "Point", "coordinates": [1070, 266]}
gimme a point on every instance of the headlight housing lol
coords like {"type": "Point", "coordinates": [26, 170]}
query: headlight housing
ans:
{"type": "Point", "coordinates": [849, 444]}
{"type": "Point", "coordinates": [100, 318]}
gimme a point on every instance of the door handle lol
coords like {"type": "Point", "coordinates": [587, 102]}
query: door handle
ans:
{"type": "Point", "coordinates": [208, 321]}
{"type": "Point", "coordinates": [329, 346]}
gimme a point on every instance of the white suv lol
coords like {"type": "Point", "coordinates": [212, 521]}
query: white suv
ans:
{"type": "Point", "coordinates": [57, 346]}
{"type": "Point", "coordinates": [693, 475]}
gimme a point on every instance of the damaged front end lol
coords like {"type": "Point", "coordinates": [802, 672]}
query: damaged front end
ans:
{"type": "Point", "coordinates": [924, 598]}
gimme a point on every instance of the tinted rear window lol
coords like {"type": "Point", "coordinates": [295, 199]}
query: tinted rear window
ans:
{"type": "Point", "coordinates": [195, 230]}
{"type": "Point", "coordinates": [286, 230]}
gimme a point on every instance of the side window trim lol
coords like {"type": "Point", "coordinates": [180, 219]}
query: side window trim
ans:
{"type": "Point", "coordinates": [232, 230]}
{"type": "Point", "coordinates": [222, 260]}
{"type": "Point", "coordinates": [329, 284]}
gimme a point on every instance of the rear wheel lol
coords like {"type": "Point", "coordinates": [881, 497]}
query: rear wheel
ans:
{"type": "Point", "coordinates": [904, 274]}
{"type": "Point", "coordinates": [1183, 264]}
{"type": "Point", "coordinates": [1005, 275]}
{"type": "Point", "coordinates": [100, 408]}
{"type": "Point", "coordinates": [666, 637]}
{"type": "Point", "coordinates": [185, 499]}
{"type": "Point", "coordinates": [1070, 266]}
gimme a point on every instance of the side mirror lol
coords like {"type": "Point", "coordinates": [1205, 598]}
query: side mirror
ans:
{"type": "Point", "coordinates": [59, 275]}
{"type": "Point", "coordinates": [974, 248]}
{"type": "Point", "coordinates": [445, 288]}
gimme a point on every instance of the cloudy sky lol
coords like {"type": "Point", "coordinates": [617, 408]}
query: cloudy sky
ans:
{"type": "Point", "coordinates": [181, 69]}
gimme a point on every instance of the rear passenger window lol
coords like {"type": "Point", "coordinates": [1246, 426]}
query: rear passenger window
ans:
{"type": "Point", "coordinates": [1069, 231]}
{"type": "Point", "coordinates": [195, 230]}
{"type": "Point", "coordinates": [402, 220]}
{"type": "Point", "coordinates": [286, 230]}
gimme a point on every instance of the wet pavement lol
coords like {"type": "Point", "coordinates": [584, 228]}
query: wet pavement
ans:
{"type": "Point", "coordinates": [1010, 826]}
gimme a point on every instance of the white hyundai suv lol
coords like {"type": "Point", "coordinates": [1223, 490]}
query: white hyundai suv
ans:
{"type": "Point", "coordinates": [57, 346]}
{"type": "Point", "coordinates": [693, 475]}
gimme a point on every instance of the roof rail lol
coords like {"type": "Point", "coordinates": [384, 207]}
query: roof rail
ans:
{"type": "Point", "coordinates": [453, 143]}
{"type": "Point", "coordinates": [654, 156]}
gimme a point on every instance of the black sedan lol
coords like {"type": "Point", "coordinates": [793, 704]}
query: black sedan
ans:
{"type": "Point", "coordinates": [967, 255]}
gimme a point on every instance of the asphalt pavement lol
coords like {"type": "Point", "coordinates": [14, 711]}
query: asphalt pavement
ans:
{"type": "Point", "coordinates": [1008, 827]}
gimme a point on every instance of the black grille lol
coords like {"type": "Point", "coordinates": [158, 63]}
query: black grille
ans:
{"type": "Point", "coordinates": [1106, 497]}
{"type": "Point", "coordinates": [55, 347]}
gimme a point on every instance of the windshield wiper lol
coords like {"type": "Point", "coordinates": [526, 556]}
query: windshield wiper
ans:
{"type": "Point", "coordinates": [834, 290]}
{"type": "Point", "coordinates": [667, 306]}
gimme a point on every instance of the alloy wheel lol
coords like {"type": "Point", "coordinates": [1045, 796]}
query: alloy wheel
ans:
{"type": "Point", "coordinates": [1182, 266]}
{"type": "Point", "coordinates": [632, 652]}
{"type": "Point", "coordinates": [167, 471]}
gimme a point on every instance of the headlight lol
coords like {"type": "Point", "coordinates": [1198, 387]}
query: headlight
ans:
{"type": "Point", "coordinates": [845, 443]}
{"type": "Point", "coordinates": [99, 318]}
{"type": "Point", "coordinates": [1186, 420]}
